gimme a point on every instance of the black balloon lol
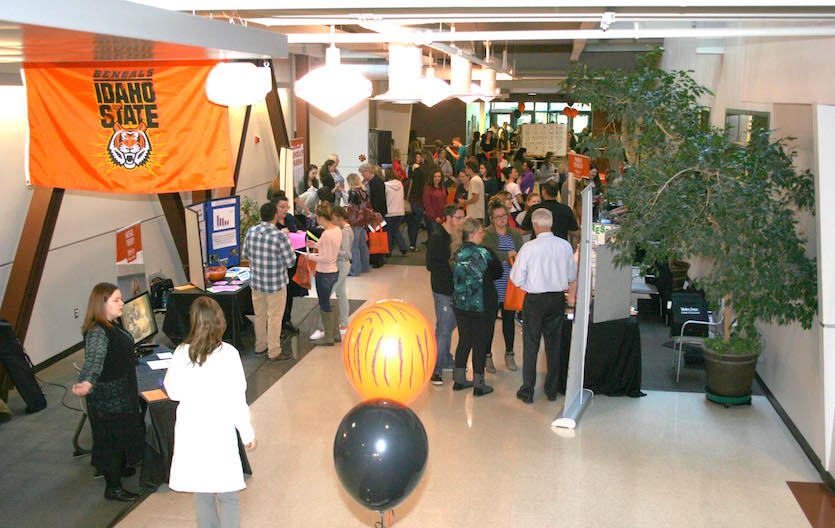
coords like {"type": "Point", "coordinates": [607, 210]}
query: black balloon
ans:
{"type": "Point", "coordinates": [380, 453]}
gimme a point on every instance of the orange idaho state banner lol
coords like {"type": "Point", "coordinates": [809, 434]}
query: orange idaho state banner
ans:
{"type": "Point", "coordinates": [125, 127]}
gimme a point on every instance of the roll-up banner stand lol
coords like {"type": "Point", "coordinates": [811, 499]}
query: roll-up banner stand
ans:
{"type": "Point", "coordinates": [576, 397]}
{"type": "Point", "coordinates": [286, 162]}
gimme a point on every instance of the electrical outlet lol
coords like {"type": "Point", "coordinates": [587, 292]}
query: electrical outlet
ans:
{"type": "Point", "coordinates": [75, 312]}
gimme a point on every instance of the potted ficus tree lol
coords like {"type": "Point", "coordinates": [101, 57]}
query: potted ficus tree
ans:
{"type": "Point", "coordinates": [689, 191]}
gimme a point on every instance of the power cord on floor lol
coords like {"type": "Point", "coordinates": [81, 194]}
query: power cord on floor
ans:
{"type": "Point", "coordinates": [63, 398]}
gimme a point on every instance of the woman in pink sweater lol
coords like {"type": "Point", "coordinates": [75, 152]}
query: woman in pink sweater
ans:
{"type": "Point", "coordinates": [434, 201]}
{"type": "Point", "coordinates": [327, 273]}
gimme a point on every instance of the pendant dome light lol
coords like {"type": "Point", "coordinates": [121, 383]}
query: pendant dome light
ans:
{"type": "Point", "coordinates": [333, 88]}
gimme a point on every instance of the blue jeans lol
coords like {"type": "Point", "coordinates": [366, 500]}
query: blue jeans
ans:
{"type": "Point", "coordinates": [360, 262]}
{"type": "Point", "coordinates": [413, 223]}
{"type": "Point", "coordinates": [444, 325]}
{"type": "Point", "coordinates": [324, 287]}
{"type": "Point", "coordinates": [395, 236]}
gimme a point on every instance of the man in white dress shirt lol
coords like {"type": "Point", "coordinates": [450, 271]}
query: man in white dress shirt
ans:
{"type": "Point", "coordinates": [544, 267]}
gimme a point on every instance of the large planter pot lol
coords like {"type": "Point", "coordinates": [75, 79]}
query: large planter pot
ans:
{"type": "Point", "coordinates": [730, 375]}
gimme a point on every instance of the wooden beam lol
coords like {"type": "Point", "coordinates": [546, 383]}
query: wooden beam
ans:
{"type": "Point", "coordinates": [302, 64]}
{"type": "Point", "coordinates": [172, 206]}
{"type": "Point", "coordinates": [201, 196]}
{"type": "Point", "coordinates": [279, 128]}
{"type": "Point", "coordinates": [580, 44]}
{"type": "Point", "coordinates": [241, 146]}
{"type": "Point", "coordinates": [29, 262]}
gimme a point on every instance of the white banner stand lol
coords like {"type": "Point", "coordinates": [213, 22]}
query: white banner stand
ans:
{"type": "Point", "coordinates": [576, 397]}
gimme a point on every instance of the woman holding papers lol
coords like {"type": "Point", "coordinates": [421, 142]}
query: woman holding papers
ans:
{"type": "Point", "coordinates": [327, 272]}
{"type": "Point", "coordinates": [108, 380]}
{"type": "Point", "coordinates": [207, 378]}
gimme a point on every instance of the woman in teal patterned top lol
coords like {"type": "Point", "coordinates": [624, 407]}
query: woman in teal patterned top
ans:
{"type": "Point", "coordinates": [474, 301]}
{"type": "Point", "coordinates": [108, 380]}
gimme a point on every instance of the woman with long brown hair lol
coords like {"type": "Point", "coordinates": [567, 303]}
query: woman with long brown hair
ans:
{"type": "Point", "coordinates": [207, 378]}
{"type": "Point", "coordinates": [108, 380]}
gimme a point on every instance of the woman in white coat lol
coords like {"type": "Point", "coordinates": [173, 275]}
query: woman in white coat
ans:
{"type": "Point", "coordinates": [207, 378]}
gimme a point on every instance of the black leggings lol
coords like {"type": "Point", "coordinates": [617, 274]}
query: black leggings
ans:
{"type": "Point", "coordinates": [508, 329]}
{"type": "Point", "coordinates": [474, 332]}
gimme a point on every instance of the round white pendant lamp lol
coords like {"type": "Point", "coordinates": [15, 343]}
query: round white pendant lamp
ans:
{"type": "Point", "coordinates": [238, 83]}
{"type": "Point", "coordinates": [333, 88]}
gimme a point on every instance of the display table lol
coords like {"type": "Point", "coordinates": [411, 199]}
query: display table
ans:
{"type": "Point", "coordinates": [159, 427]}
{"type": "Point", "coordinates": [235, 305]}
{"type": "Point", "coordinates": [613, 357]}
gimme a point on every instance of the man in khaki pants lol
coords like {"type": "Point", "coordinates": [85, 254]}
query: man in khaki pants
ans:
{"type": "Point", "coordinates": [270, 254]}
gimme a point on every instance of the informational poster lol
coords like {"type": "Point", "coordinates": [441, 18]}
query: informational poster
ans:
{"type": "Point", "coordinates": [129, 245]}
{"type": "Point", "coordinates": [219, 227]}
{"type": "Point", "coordinates": [298, 161]}
{"type": "Point", "coordinates": [578, 166]}
{"type": "Point", "coordinates": [541, 138]}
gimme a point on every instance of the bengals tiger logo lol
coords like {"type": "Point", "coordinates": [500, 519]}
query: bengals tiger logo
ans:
{"type": "Point", "coordinates": [129, 147]}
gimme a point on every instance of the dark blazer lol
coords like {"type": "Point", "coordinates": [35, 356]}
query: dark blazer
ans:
{"type": "Point", "coordinates": [377, 195]}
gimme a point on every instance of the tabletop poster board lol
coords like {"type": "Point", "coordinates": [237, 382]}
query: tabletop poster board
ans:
{"type": "Point", "coordinates": [220, 233]}
{"type": "Point", "coordinates": [540, 138]}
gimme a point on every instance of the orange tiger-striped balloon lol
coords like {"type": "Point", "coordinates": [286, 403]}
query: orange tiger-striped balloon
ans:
{"type": "Point", "coordinates": [389, 351]}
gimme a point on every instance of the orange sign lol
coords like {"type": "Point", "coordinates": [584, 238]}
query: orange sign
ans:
{"type": "Point", "coordinates": [578, 166]}
{"type": "Point", "coordinates": [125, 127]}
{"type": "Point", "coordinates": [129, 245]}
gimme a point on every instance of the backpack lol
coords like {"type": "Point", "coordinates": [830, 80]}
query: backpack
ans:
{"type": "Point", "coordinates": [160, 289]}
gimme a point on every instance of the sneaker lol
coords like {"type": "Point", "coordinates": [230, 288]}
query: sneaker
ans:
{"type": "Point", "coordinates": [412, 248]}
{"type": "Point", "coordinates": [436, 379]}
{"type": "Point", "coordinates": [343, 330]}
{"type": "Point", "coordinates": [318, 334]}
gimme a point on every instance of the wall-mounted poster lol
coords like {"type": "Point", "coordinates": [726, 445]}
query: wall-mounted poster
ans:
{"type": "Point", "coordinates": [541, 138]}
{"type": "Point", "coordinates": [129, 245]}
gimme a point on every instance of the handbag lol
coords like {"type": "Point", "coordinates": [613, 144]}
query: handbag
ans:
{"type": "Point", "coordinates": [378, 241]}
{"type": "Point", "coordinates": [514, 296]}
{"type": "Point", "coordinates": [407, 206]}
{"type": "Point", "coordinates": [305, 271]}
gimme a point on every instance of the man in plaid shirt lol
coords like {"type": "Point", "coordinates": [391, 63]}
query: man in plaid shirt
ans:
{"type": "Point", "coordinates": [270, 254]}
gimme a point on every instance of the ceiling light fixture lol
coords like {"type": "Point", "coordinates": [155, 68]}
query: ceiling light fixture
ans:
{"type": "Point", "coordinates": [434, 90]}
{"type": "Point", "coordinates": [461, 76]}
{"type": "Point", "coordinates": [405, 81]}
{"type": "Point", "coordinates": [333, 88]}
{"type": "Point", "coordinates": [238, 83]}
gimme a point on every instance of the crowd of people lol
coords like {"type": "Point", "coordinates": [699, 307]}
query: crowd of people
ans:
{"type": "Point", "coordinates": [491, 219]}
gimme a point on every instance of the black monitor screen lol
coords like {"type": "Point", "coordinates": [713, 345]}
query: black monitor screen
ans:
{"type": "Point", "coordinates": [138, 318]}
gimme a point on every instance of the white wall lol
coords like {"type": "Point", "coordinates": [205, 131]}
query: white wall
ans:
{"type": "Point", "coordinates": [824, 167]}
{"type": "Point", "coordinates": [789, 70]}
{"type": "Point", "coordinates": [792, 364]}
{"type": "Point", "coordinates": [398, 119]}
{"type": "Point", "coordinates": [345, 135]}
{"type": "Point", "coordinates": [82, 251]}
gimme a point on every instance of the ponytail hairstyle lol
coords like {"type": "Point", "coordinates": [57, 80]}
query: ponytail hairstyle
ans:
{"type": "Point", "coordinates": [340, 212]}
{"type": "Point", "coordinates": [468, 227]}
{"type": "Point", "coordinates": [324, 210]}
{"type": "Point", "coordinates": [207, 327]}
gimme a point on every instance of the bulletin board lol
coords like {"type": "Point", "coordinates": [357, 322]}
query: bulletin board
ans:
{"type": "Point", "coordinates": [540, 138]}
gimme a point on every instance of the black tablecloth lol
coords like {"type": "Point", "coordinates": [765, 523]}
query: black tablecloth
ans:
{"type": "Point", "coordinates": [235, 305]}
{"type": "Point", "coordinates": [159, 428]}
{"type": "Point", "coordinates": [613, 357]}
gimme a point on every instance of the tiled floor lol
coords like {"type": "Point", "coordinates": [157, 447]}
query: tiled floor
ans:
{"type": "Point", "coordinates": [669, 459]}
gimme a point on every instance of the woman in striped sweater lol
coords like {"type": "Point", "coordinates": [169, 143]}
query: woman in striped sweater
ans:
{"type": "Point", "coordinates": [505, 242]}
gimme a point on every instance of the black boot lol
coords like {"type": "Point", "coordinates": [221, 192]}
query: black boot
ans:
{"type": "Point", "coordinates": [459, 375]}
{"type": "Point", "coordinates": [479, 387]}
